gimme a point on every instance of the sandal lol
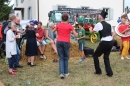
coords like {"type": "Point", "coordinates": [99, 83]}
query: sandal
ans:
{"type": "Point", "coordinates": [32, 65]}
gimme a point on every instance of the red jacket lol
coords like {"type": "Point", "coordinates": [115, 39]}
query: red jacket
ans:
{"type": "Point", "coordinates": [0, 31]}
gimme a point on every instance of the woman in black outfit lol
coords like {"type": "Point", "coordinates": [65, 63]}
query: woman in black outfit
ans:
{"type": "Point", "coordinates": [31, 45]}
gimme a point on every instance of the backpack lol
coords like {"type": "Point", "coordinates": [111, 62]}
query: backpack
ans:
{"type": "Point", "coordinates": [4, 30]}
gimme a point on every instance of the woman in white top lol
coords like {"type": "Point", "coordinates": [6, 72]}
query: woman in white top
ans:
{"type": "Point", "coordinates": [11, 51]}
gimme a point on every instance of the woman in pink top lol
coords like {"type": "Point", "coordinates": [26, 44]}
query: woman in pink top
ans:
{"type": "Point", "coordinates": [63, 44]}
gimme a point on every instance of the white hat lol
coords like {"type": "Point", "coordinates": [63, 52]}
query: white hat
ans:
{"type": "Point", "coordinates": [128, 15]}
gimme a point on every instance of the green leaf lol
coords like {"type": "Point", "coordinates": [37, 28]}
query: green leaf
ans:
{"type": "Point", "coordinates": [5, 10]}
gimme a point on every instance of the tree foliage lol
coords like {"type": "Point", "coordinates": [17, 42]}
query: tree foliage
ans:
{"type": "Point", "coordinates": [5, 9]}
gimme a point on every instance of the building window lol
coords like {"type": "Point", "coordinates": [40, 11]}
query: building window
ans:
{"type": "Point", "coordinates": [30, 13]}
{"type": "Point", "coordinates": [60, 7]}
{"type": "Point", "coordinates": [22, 1]}
{"type": "Point", "coordinates": [17, 15]}
{"type": "Point", "coordinates": [16, 2]}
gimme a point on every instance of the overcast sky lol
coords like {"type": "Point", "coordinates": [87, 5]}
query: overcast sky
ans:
{"type": "Point", "coordinates": [12, 2]}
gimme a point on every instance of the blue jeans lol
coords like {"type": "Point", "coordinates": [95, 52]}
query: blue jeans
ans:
{"type": "Point", "coordinates": [63, 53]}
{"type": "Point", "coordinates": [17, 57]}
{"type": "Point", "coordinates": [11, 61]}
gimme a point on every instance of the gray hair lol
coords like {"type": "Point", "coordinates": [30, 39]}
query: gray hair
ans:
{"type": "Point", "coordinates": [11, 24]}
{"type": "Point", "coordinates": [50, 24]}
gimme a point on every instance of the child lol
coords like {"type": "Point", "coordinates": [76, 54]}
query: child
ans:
{"type": "Point", "coordinates": [123, 28]}
{"type": "Point", "coordinates": [81, 41]}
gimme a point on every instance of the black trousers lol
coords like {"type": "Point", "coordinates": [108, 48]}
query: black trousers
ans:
{"type": "Point", "coordinates": [103, 48]}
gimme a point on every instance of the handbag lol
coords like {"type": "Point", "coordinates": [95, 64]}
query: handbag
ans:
{"type": "Point", "coordinates": [88, 51]}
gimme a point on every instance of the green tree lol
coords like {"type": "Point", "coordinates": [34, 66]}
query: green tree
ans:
{"type": "Point", "coordinates": [5, 9]}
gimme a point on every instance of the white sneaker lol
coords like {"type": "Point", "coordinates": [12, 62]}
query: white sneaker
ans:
{"type": "Point", "coordinates": [44, 56]}
{"type": "Point", "coordinates": [62, 76]}
{"type": "Point", "coordinates": [66, 75]}
{"type": "Point", "coordinates": [127, 57]}
{"type": "Point", "coordinates": [41, 57]}
{"type": "Point", "coordinates": [122, 58]}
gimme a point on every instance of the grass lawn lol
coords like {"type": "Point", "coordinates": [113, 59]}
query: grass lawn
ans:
{"type": "Point", "coordinates": [81, 74]}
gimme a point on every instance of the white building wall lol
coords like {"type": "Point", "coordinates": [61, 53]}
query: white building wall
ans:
{"type": "Point", "coordinates": [18, 14]}
{"type": "Point", "coordinates": [115, 5]}
{"type": "Point", "coordinates": [26, 4]}
{"type": "Point", "coordinates": [45, 6]}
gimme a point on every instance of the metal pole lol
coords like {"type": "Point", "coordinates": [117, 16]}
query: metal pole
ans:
{"type": "Point", "coordinates": [123, 5]}
{"type": "Point", "coordinates": [38, 9]}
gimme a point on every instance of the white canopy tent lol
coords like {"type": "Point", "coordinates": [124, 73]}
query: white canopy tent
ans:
{"type": "Point", "coordinates": [24, 23]}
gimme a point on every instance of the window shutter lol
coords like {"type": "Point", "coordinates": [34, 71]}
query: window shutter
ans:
{"type": "Point", "coordinates": [111, 14]}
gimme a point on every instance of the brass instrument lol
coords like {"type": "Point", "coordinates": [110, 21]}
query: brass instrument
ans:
{"type": "Point", "coordinates": [127, 33]}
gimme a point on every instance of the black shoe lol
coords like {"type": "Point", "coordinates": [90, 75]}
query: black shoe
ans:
{"type": "Point", "coordinates": [29, 63]}
{"type": "Point", "coordinates": [109, 75]}
{"type": "Point", "coordinates": [32, 65]}
{"type": "Point", "coordinates": [97, 73]}
{"type": "Point", "coordinates": [19, 66]}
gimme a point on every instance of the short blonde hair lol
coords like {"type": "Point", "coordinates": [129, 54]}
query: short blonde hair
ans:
{"type": "Point", "coordinates": [12, 17]}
